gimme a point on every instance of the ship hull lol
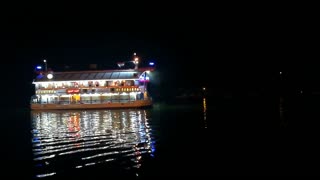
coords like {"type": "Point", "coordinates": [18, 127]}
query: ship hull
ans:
{"type": "Point", "coordinates": [134, 104]}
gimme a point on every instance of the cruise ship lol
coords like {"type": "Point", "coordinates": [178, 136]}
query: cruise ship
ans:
{"type": "Point", "coordinates": [92, 89]}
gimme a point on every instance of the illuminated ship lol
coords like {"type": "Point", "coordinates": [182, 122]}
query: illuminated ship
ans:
{"type": "Point", "coordinates": [121, 88]}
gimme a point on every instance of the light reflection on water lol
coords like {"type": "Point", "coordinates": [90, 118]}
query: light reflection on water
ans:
{"type": "Point", "coordinates": [64, 140]}
{"type": "Point", "coordinates": [283, 120]}
{"type": "Point", "coordinates": [205, 112]}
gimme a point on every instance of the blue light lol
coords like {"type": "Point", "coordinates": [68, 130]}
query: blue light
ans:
{"type": "Point", "coordinates": [39, 76]}
{"type": "Point", "coordinates": [151, 63]}
{"type": "Point", "coordinates": [39, 67]}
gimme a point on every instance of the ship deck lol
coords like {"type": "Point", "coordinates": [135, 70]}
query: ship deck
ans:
{"type": "Point", "coordinates": [134, 104]}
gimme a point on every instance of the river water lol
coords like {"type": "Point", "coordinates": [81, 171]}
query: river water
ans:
{"type": "Point", "coordinates": [207, 137]}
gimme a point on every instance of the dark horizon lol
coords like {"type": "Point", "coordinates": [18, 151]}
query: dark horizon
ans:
{"type": "Point", "coordinates": [233, 56]}
{"type": "Point", "coordinates": [183, 59]}
{"type": "Point", "coordinates": [223, 62]}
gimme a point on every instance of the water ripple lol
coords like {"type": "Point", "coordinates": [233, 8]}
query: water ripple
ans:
{"type": "Point", "coordinates": [78, 139]}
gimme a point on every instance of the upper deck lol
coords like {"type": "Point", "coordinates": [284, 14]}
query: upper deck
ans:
{"type": "Point", "coordinates": [89, 75]}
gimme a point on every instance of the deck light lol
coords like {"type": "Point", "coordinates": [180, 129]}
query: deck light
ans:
{"type": "Point", "coordinates": [49, 76]}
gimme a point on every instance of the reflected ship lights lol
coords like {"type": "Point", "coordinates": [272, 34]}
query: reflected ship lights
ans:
{"type": "Point", "coordinates": [68, 140]}
{"type": "Point", "coordinates": [205, 113]}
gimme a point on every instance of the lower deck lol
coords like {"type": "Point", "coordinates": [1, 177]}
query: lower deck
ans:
{"type": "Point", "coordinates": [132, 104]}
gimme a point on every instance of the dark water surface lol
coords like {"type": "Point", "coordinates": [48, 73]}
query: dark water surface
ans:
{"type": "Point", "coordinates": [208, 137]}
{"type": "Point", "coordinates": [70, 141]}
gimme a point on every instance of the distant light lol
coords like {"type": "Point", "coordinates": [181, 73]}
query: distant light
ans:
{"type": "Point", "coordinates": [136, 59]}
{"type": "Point", "coordinates": [39, 67]}
{"type": "Point", "coordinates": [204, 88]}
{"type": "Point", "coordinates": [49, 76]}
{"type": "Point", "coordinates": [134, 54]}
{"type": "Point", "coordinates": [151, 63]}
{"type": "Point", "coordinates": [44, 60]}
{"type": "Point", "coordinates": [280, 72]}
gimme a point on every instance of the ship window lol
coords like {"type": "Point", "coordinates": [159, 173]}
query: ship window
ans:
{"type": "Point", "coordinates": [136, 83]}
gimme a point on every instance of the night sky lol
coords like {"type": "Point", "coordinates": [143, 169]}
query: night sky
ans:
{"type": "Point", "coordinates": [219, 59]}
{"type": "Point", "coordinates": [232, 53]}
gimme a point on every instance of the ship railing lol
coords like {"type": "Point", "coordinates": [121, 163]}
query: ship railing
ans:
{"type": "Point", "coordinates": [87, 101]}
{"type": "Point", "coordinates": [87, 87]}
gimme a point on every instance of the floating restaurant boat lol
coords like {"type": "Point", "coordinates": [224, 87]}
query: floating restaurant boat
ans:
{"type": "Point", "coordinates": [94, 89]}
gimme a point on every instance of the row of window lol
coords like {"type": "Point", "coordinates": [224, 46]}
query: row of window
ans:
{"type": "Point", "coordinates": [84, 91]}
{"type": "Point", "coordinates": [89, 84]}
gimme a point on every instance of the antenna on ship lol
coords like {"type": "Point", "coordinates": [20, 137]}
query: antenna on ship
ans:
{"type": "Point", "coordinates": [45, 65]}
{"type": "Point", "coordinates": [135, 60]}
